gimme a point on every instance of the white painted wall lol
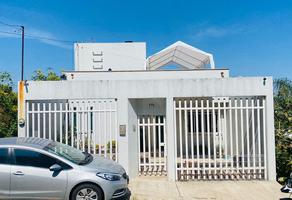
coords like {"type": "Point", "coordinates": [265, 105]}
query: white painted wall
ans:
{"type": "Point", "coordinates": [114, 56]}
{"type": "Point", "coordinates": [147, 75]}
{"type": "Point", "coordinates": [124, 90]}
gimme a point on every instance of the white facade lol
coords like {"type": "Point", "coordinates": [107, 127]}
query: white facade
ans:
{"type": "Point", "coordinates": [110, 56]}
{"type": "Point", "coordinates": [190, 124]}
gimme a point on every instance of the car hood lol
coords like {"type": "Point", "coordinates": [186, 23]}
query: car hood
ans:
{"type": "Point", "coordinates": [101, 164]}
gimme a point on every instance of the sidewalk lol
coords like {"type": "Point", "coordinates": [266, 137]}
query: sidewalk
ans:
{"type": "Point", "coordinates": [159, 188]}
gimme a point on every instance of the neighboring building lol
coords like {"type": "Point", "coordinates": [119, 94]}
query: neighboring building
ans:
{"type": "Point", "coordinates": [191, 122]}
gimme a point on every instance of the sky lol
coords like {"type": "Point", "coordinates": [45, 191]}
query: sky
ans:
{"type": "Point", "coordinates": [250, 37]}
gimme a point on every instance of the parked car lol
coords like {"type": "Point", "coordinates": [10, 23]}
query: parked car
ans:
{"type": "Point", "coordinates": [34, 168]}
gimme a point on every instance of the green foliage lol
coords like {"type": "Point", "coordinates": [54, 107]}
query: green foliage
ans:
{"type": "Point", "coordinates": [283, 126]}
{"type": "Point", "coordinates": [8, 106]}
{"type": "Point", "coordinates": [39, 75]}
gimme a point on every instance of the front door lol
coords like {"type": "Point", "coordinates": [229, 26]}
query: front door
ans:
{"type": "Point", "coordinates": [152, 145]}
{"type": "Point", "coordinates": [31, 177]}
{"type": "Point", "coordinates": [4, 173]}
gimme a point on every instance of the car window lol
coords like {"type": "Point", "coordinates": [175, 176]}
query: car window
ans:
{"type": "Point", "coordinates": [24, 157]}
{"type": "Point", "coordinates": [4, 156]}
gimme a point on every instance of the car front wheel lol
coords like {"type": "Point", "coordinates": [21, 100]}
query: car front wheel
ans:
{"type": "Point", "coordinates": [87, 192]}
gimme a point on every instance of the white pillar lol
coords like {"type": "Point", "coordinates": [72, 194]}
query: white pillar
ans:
{"type": "Point", "coordinates": [170, 134]}
{"type": "Point", "coordinates": [123, 143]}
{"type": "Point", "coordinates": [270, 131]}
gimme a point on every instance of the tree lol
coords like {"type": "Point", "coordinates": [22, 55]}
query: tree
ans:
{"type": "Point", "coordinates": [39, 75]}
{"type": "Point", "coordinates": [8, 106]}
{"type": "Point", "coordinates": [283, 126]}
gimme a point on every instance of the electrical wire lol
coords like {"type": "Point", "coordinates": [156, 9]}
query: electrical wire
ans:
{"type": "Point", "coordinates": [38, 37]}
{"type": "Point", "coordinates": [11, 25]}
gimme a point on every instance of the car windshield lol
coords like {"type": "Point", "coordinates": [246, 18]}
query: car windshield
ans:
{"type": "Point", "coordinates": [70, 153]}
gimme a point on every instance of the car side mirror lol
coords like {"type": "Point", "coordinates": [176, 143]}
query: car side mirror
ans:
{"type": "Point", "coordinates": [55, 168]}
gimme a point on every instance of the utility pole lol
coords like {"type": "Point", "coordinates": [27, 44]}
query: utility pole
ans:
{"type": "Point", "coordinates": [22, 52]}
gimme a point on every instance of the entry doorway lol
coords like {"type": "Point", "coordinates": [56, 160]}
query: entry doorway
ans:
{"type": "Point", "coordinates": [152, 145]}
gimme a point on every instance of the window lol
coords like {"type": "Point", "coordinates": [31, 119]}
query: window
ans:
{"type": "Point", "coordinates": [35, 159]}
{"type": "Point", "coordinates": [4, 156]}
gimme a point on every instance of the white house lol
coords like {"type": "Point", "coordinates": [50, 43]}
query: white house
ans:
{"type": "Point", "coordinates": [187, 123]}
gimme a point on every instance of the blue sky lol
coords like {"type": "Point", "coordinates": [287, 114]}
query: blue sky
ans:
{"type": "Point", "coordinates": [249, 37]}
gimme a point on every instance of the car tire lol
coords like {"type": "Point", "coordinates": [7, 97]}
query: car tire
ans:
{"type": "Point", "coordinates": [87, 190]}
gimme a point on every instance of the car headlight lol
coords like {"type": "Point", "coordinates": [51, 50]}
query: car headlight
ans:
{"type": "Point", "coordinates": [109, 176]}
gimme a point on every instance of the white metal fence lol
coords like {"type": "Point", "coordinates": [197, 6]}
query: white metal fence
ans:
{"type": "Point", "coordinates": [152, 145]}
{"type": "Point", "coordinates": [220, 138]}
{"type": "Point", "coordinates": [89, 125]}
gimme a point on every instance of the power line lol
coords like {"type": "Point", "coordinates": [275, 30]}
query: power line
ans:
{"type": "Point", "coordinates": [11, 25]}
{"type": "Point", "coordinates": [38, 37]}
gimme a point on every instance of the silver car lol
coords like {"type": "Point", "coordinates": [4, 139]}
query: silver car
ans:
{"type": "Point", "coordinates": [34, 168]}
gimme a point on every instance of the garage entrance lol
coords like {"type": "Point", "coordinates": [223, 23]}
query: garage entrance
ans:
{"type": "Point", "coordinates": [220, 138]}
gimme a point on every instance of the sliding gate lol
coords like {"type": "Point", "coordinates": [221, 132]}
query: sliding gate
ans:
{"type": "Point", "coordinates": [152, 145]}
{"type": "Point", "coordinates": [220, 138]}
{"type": "Point", "coordinates": [86, 124]}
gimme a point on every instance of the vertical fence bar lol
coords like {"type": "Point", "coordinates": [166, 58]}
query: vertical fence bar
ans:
{"type": "Point", "coordinates": [39, 119]}
{"type": "Point", "coordinates": [214, 138]}
{"type": "Point", "coordinates": [192, 136]}
{"type": "Point", "coordinates": [61, 121]}
{"type": "Point", "coordinates": [164, 143]}
{"type": "Point", "coordinates": [159, 143]}
{"type": "Point", "coordinates": [180, 137]}
{"type": "Point", "coordinates": [242, 139]}
{"type": "Point", "coordinates": [144, 144]}
{"type": "Point", "coordinates": [154, 145]}
{"type": "Point", "coordinates": [110, 129]}
{"type": "Point", "coordinates": [71, 116]}
{"type": "Point", "coordinates": [220, 140]}
{"type": "Point", "coordinates": [253, 138]}
{"type": "Point", "coordinates": [259, 138]}
{"type": "Point", "coordinates": [50, 121]}
{"type": "Point", "coordinates": [105, 129]}
{"type": "Point", "coordinates": [225, 138]}
{"type": "Point", "coordinates": [236, 136]}
{"type": "Point", "coordinates": [186, 138]}
{"type": "Point", "coordinates": [27, 119]}
{"type": "Point", "coordinates": [32, 119]}
{"type": "Point", "coordinates": [149, 142]}
{"type": "Point", "coordinates": [175, 138]}
{"type": "Point", "coordinates": [231, 136]}
{"type": "Point", "coordinates": [66, 123]}
{"type": "Point", "coordinates": [197, 139]}
{"type": "Point", "coordinates": [203, 137]}
{"type": "Point", "coordinates": [247, 136]}
{"type": "Point", "coordinates": [44, 121]}
{"type": "Point", "coordinates": [139, 148]}
{"type": "Point", "coordinates": [55, 121]}
{"type": "Point", "coordinates": [264, 137]}
{"type": "Point", "coordinates": [99, 129]}
{"type": "Point", "coordinates": [89, 124]}
{"type": "Point", "coordinates": [208, 139]}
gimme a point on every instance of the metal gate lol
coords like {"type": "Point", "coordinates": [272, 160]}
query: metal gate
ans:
{"type": "Point", "coordinates": [220, 138]}
{"type": "Point", "coordinates": [152, 145]}
{"type": "Point", "coordinates": [89, 125]}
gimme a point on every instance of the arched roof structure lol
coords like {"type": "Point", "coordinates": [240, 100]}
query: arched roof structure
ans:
{"type": "Point", "coordinates": [182, 54]}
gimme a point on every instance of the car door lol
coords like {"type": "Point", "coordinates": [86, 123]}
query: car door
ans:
{"type": "Point", "coordinates": [31, 177]}
{"type": "Point", "coordinates": [4, 173]}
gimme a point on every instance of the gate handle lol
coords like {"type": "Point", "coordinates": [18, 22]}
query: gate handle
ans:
{"type": "Point", "coordinates": [18, 173]}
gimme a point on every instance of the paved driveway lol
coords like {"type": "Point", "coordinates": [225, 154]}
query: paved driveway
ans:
{"type": "Point", "coordinates": [159, 188]}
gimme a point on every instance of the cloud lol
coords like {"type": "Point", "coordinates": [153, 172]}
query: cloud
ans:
{"type": "Point", "coordinates": [212, 31]}
{"type": "Point", "coordinates": [48, 38]}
